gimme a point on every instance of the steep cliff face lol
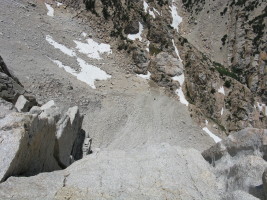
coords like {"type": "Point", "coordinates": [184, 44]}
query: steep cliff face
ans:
{"type": "Point", "coordinates": [232, 33]}
{"type": "Point", "coordinates": [232, 36]}
{"type": "Point", "coordinates": [220, 47]}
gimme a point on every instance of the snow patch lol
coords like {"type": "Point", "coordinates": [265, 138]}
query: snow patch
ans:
{"type": "Point", "coordinates": [155, 10]}
{"type": "Point", "coordinates": [88, 73]}
{"type": "Point", "coordinates": [180, 79]}
{"type": "Point", "coordinates": [179, 91]}
{"type": "Point", "coordinates": [66, 68]}
{"type": "Point", "coordinates": [176, 19]}
{"type": "Point", "coordinates": [214, 137]}
{"type": "Point", "coordinates": [147, 44]}
{"type": "Point", "coordinates": [182, 98]}
{"type": "Point", "coordinates": [176, 51]}
{"type": "Point", "coordinates": [262, 108]}
{"type": "Point", "coordinates": [84, 34]}
{"type": "Point", "coordinates": [147, 76]}
{"type": "Point", "coordinates": [151, 13]}
{"type": "Point", "coordinates": [50, 10]}
{"type": "Point", "coordinates": [146, 6]}
{"type": "Point", "coordinates": [93, 49]}
{"type": "Point", "coordinates": [137, 35]}
{"type": "Point", "coordinates": [221, 90]}
{"type": "Point", "coordinates": [59, 4]}
{"type": "Point", "coordinates": [61, 47]}
{"type": "Point", "coordinates": [222, 111]}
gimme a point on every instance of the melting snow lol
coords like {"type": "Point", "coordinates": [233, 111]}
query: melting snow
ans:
{"type": "Point", "coordinates": [262, 108]}
{"type": "Point", "coordinates": [88, 73]}
{"type": "Point", "coordinates": [222, 111]}
{"type": "Point", "coordinates": [176, 50]}
{"type": "Point", "coordinates": [146, 6]}
{"type": "Point", "coordinates": [137, 35]}
{"type": "Point", "coordinates": [176, 19]}
{"type": "Point", "coordinates": [180, 79]}
{"type": "Point", "coordinates": [50, 10]}
{"type": "Point", "coordinates": [155, 10]}
{"type": "Point", "coordinates": [221, 90]}
{"type": "Point", "coordinates": [152, 13]}
{"type": "Point", "coordinates": [59, 4]}
{"type": "Point", "coordinates": [84, 34]}
{"type": "Point", "coordinates": [148, 43]}
{"type": "Point", "coordinates": [93, 49]}
{"type": "Point", "coordinates": [61, 47]}
{"type": "Point", "coordinates": [66, 68]}
{"type": "Point", "coordinates": [145, 76]}
{"type": "Point", "coordinates": [179, 91]}
{"type": "Point", "coordinates": [214, 137]}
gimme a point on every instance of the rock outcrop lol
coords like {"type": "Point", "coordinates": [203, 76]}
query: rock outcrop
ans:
{"type": "Point", "coordinates": [239, 161]}
{"type": "Point", "coordinates": [39, 142]}
{"type": "Point", "coordinates": [152, 172]}
{"type": "Point", "coordinates": [67, 128]}
{"type": "Point", "coordinates": [27, 143]}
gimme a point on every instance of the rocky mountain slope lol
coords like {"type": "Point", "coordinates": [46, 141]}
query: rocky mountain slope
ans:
{"type": "Point", "coordinates": [154, 83]}
{"type": "Point", "coordinates": [222, 46]}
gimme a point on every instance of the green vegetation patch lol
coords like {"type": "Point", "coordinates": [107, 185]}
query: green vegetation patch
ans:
{"type": "Point", "coordinates": [225, 72]}
{"type": "Point", "coordinates": [154, 50]}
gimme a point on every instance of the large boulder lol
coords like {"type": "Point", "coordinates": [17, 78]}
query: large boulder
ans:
{"type": "Point", "coordinates": [240, 160]}
{"type": "Point", "coordinates": [167, 64]}
{"type": "Point", "coordinates": [34, 143]}
{"type": "Point", "coordinates": [22, 104]}
{"type": "Point", "coordinates": [152, 172]}
{"type": "Point", "coordinates": [67, 128]}
{"type": "Point", "coordinates": [249, 141]}
{"type": "Point", "coordinates": [163, 68]}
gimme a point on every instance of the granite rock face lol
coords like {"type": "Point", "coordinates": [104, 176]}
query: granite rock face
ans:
{"type": "Point", "coordinates": [27, 143]}
{"type": "Point", "coordinates": [67, 128]}
{"type": "Point", "coordinates": [147, 173]}
{"type": "Point", "coordinates": [239, 161]}
{"type": "Point", "coordinates": [34, 143]}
